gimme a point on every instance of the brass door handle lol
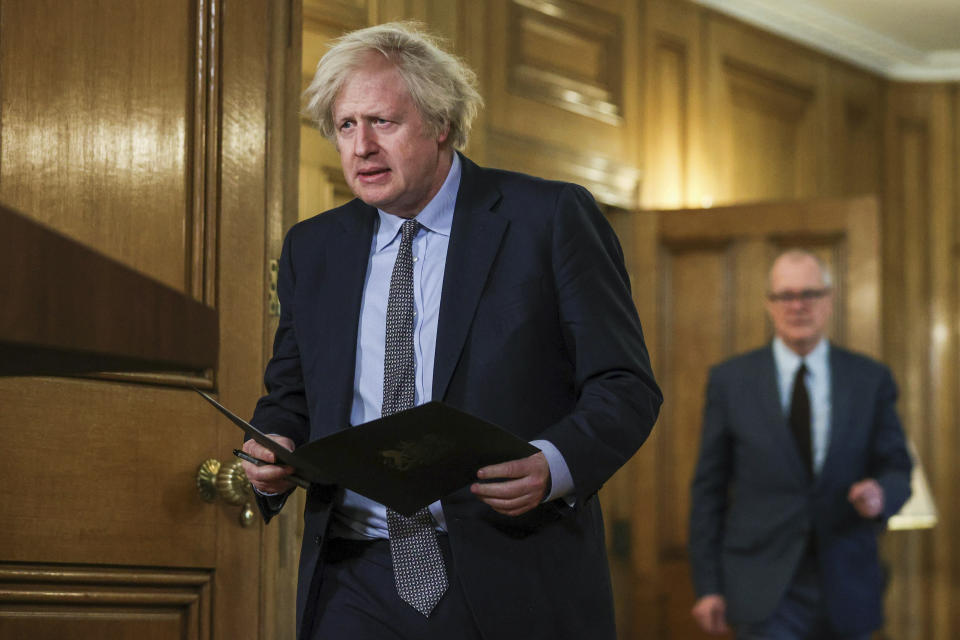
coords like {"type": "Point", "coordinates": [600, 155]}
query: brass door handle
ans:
{"type": "Point", "coordinates": [230, 483]}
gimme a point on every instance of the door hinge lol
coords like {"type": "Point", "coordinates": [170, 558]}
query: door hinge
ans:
{"type": "Point", "coordinates": [273, 300]}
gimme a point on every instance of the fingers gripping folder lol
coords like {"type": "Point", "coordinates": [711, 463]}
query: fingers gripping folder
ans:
{"type": "Point", "coordinates": [405, 461]}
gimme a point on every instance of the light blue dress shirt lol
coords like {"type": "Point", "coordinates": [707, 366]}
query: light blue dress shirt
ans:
{"type": "Point", "coordinates": [355, 516]}
{"type": "Point", "coordinates": [818, 388]}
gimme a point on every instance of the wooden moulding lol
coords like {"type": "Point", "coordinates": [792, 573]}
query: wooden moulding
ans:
{"type": "Point", "coordinates": [68, 309]}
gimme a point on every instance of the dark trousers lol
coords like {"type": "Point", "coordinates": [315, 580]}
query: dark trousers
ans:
{"type": "Point", "coordinates": [358, 599]}
{"type": "Point", "coordinates": [801, 615]}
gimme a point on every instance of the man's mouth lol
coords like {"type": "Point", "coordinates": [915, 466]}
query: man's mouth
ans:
{"type": "Point", "coordinates": [370, 174]}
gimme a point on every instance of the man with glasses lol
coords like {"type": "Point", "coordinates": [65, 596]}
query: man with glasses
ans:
{"type": "Point", "coordinates": [802, 460]}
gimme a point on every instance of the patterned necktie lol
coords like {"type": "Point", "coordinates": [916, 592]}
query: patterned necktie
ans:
{"type": "Point", "coordinates": [800, 417]}
{"type": "Point", "coordinates": [418, 568]}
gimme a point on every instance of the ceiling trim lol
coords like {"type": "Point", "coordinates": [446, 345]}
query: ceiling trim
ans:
{"type": "Point", "coordinates": [841, 38]}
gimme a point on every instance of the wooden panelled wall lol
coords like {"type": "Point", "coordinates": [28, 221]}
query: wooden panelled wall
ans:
{"type": "Point", "coordinates": [656, 104]}
{"type": "Point", "coordinates": [921, 138]}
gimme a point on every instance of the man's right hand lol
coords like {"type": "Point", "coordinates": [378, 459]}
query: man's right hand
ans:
{"type": "Point", "coordinates": [269, 478]}
{"type": "Point", "coordinates": [710, 612]}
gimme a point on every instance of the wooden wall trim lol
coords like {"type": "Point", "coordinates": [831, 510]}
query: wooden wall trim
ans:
{"type": "Point", "coordinates": [75, 599]}
{"type": "Point", "coordinates": [567, 55]}
{"type": "Point", "coordinates": [201, 259]}
{"type": "Point", "coordinates": [612, 183]}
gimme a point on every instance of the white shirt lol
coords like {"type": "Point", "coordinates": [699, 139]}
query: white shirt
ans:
{"type": "Point", "coordinates": [818, 387]}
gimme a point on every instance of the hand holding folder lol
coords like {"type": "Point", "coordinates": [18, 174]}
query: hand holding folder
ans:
{"type": "Point", "coordinates": [405, 461]}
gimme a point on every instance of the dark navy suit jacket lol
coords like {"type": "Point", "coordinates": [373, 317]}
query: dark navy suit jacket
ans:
{"type": "Point", "coordinates": [754, 505]}
{"type": "Point", "coordinates": [537, 333]}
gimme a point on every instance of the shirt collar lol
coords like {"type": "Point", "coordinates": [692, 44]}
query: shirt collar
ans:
{"type": "Point", "coordinates": [437, 216]}
{"type": "Point", "coordinates": [787, 360]}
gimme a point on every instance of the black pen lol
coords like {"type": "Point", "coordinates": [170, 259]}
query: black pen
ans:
{"type": "Point", "coordinates": [243, 455]}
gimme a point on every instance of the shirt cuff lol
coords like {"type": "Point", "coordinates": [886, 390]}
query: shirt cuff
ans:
{"type": "Point", "coordinates": [561, 482]}
{"type": "Point", "coordinates": [264, 493]}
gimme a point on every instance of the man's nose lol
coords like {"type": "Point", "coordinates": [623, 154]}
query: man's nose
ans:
{"type": "Point", "coordinates": [364, 142]}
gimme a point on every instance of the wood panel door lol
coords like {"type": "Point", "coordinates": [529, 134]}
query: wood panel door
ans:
{"type": "Point", "coordinates": [708, 275]}
{"type": "Point", "coordinates": [563, 99]}
{"type": "Point", "coordinates": [139, 129]}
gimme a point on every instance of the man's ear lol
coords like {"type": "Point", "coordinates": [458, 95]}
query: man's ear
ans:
{"type": "Point", "coordinates": [444, 134]}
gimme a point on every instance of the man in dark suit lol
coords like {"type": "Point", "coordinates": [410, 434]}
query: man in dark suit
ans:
{"type": "Point", "coordinates": [500, 294]}
{"type": "Point", "coordinates": [802, 460]}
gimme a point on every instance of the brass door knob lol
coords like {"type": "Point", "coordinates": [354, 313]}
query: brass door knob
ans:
{"type": "Point", "coordinates": [230, 483]}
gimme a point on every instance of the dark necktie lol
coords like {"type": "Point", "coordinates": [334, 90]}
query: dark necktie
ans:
{"type": "Point", "coordinates": [800, 417]}
{"type": "Point", "coordinates": [418, 568]}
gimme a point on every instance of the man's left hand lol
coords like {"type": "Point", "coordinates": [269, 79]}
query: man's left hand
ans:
{"type": "Point", "coordinates": [518, 485]}
{"type": "Point", "coordinates": [867, 498]}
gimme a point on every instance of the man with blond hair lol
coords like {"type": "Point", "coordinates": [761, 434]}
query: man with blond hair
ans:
{"type": "Point", "coordinates": [500, 294]}
{"type": "Point", "coordinates": [802, 460]}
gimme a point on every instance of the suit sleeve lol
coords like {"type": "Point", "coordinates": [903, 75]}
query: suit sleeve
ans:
{"type": "Point", "coordinates": [617, 398]}
{"type": "Point", "coordinates": [890, 462]}
{"type": "Point", "coordinates": [708, 492]}
{"type": "Point", "coordinates": [283, 410]}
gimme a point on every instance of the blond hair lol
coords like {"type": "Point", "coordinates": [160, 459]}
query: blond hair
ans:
{"type": "Point", "coordinates": [441, 85]}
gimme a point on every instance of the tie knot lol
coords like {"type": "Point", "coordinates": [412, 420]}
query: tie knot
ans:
{"type": "Point", "coordinates": [408, 231]}
{"type": "Point", "coordinates": [802, 369]}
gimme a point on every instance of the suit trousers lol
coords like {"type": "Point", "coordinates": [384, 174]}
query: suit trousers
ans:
{"type": "Point", "coordinates": [801, 615]}
{"type": "Point", "coordinates": [358, 599]}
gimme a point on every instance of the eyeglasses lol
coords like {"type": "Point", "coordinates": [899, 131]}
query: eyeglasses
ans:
{"type": "Point", "coordinates": [806, 295]}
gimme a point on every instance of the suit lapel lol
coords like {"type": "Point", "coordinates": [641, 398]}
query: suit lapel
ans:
{"type": "Point", "coordinates": [347, 257]}
{"type": "Point", "coordinates": [474, 240]}
{"type": "Point", "coordinates": [841, 401]}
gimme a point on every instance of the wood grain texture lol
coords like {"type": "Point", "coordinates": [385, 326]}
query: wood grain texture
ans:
{"type": "Point", "coordinates": [921, 313]}
{"type": "Point", "coordinates": [139, 129]}
{"type": "Point", "coordinates": [118, 319]}
{"type": "Point", "coordinates": [567, 55]}
{"type": "Point", "coordinates": [104, 120]}
{"type": "Point", "coordinates": [92, 480]}
{"type": "Point", "coordinates": [672, 71]}
{"type": "Point", "coordinates": [245, 163]}
{"type": "Point", "coordinates": [767, 115]}
{"type": "Point", "coordinates": [54, 601]}
{"type": "Point", "coordinates": [589, 107]}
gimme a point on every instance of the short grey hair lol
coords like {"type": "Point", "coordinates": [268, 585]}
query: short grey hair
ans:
{"type": "Point", "coordinates": [443, 87]}
{"type": "Point", "coordinates": [798, 254]}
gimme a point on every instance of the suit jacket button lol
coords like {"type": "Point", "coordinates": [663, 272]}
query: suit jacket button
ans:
{"type": "Point", "coordinates": [318, 540]}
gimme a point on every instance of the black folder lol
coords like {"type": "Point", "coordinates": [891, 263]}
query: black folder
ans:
{"type": "Point", "coordinates": [406, 460]}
